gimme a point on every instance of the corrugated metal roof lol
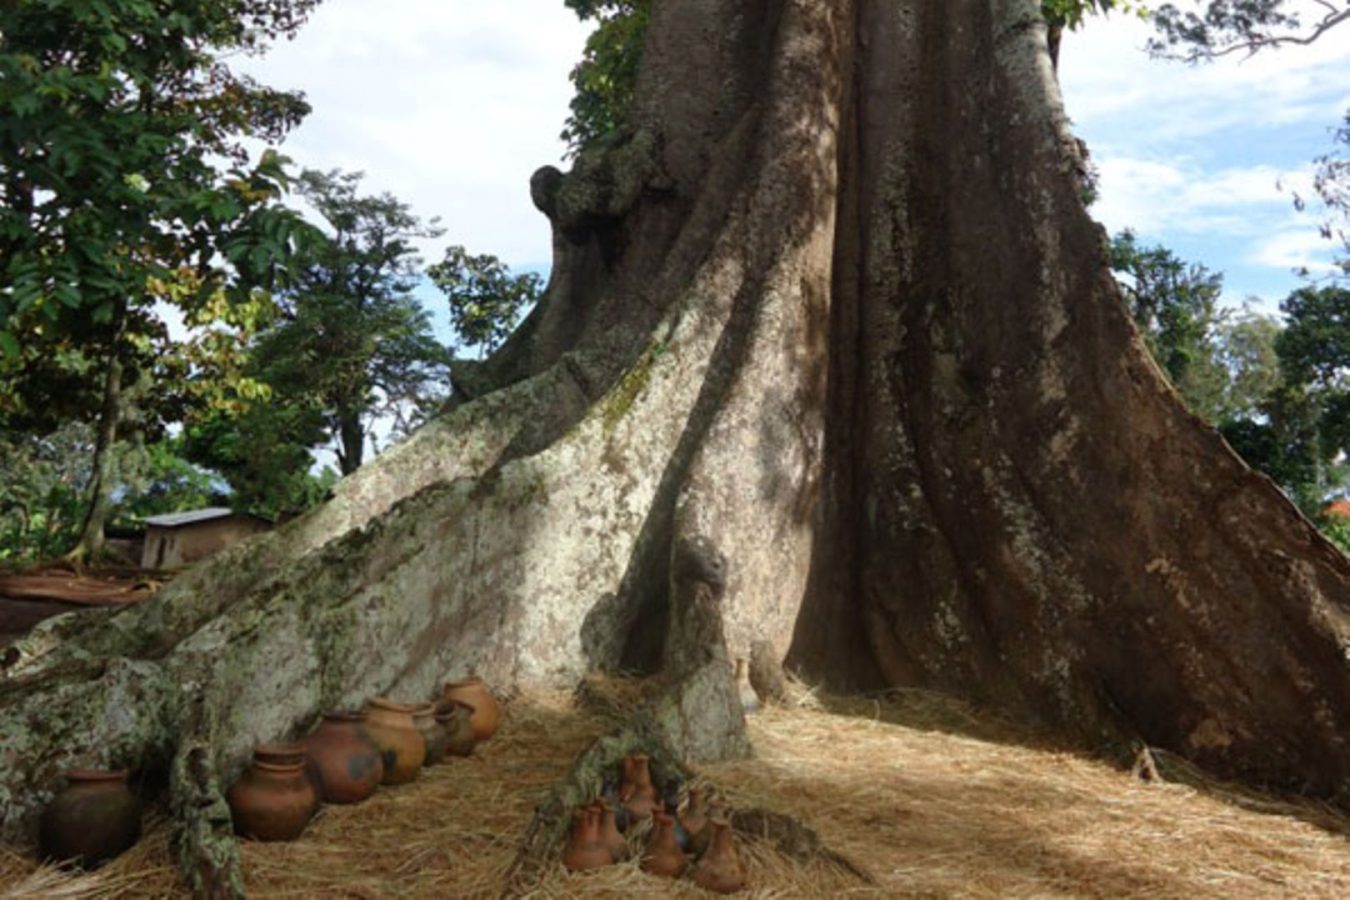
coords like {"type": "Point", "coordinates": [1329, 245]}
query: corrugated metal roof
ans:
{"type": "Point", "coordinates": [191, 517]}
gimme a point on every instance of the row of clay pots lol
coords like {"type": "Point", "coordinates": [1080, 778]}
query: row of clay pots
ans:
{"type": "Point", "coordinates": [351, 754]}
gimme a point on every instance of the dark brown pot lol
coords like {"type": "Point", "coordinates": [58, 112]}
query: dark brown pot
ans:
{"type": "Point", "coordinates": [720, 869]}
{"type": "Point", "coordinates": [402, 746]}
{"type": "Point", "coordinates": [94, 818]}
{"type": "Point", "coordinates": [637, 792]}
{"type": "Point", "coordinates": [424, 719]}
{"type": "Point", "coordinates": [586, 849]}
{"type": "Point", "coordinates": [342, 752]}
{"type": "Point", "coordinates": [663, 856]}
{"type": "Point", "coordinates": [273, 802]}
{"type": "Point", "coordinates": [456, 719]}
{"type": "Point", "coordinates": [487, 714]}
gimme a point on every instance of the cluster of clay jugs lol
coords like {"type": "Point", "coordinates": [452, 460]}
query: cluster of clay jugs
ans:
{"type": "Point", "coordinates": [595, 840]}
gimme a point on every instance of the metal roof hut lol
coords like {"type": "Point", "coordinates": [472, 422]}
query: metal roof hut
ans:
{"type": "Point", "coordinates": [174, 540]}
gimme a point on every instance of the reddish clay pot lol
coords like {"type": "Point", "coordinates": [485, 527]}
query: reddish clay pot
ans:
{"type": "Point", "coordinates": [273, 801]}
{"type": "Point", "coordinates": [609, 832]}
{"type": "Point", "coordinates": [695, 821]}
{"type": "Point", "coordinates": [290, 755]}
{"type": "Point", "coordinates": [720, 869]}
{"type": "Point", "coordinates": [456, 719]}
{"type": "Point", "coordinates": [663, 856]}
{"type": "Point", "coordinates": [586, 849]}
{"type": "Point", "coordinates": [402, 747]}
{"type": "Point", "coordinates": [637, 791]}
{"type": "Point", "coordinates": [94, 818]}
{"type": "Point", "coordinates": [487, 714]}
{"type": "Point", "coordinates": [345, 757]}
{"type": "Point", "coordinates": [424, 720]}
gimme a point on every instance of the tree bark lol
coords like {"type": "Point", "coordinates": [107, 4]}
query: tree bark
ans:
{"type": "Point", "coordinates": [90, 544]}
{"type": "Point", "coordinates": [831, 359]}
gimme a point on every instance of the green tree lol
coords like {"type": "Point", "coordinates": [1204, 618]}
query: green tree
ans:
{"type": "Point", "coordinates": [486, 300]}
{"type": "Point", "coordinates": [1176, 306]}
{"type": "Point", "coordinates": [352, 341]}
{"type": "Point", "coordinates": [114, 116]}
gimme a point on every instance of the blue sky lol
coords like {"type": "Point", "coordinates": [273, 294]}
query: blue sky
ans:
{"type": "Point", "coordinates": [451, 104]}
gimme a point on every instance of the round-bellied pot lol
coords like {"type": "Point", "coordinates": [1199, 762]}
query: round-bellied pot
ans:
{"type": "Point", "coordinates": [93, 819]}
{"type": "Point", "coordinates": [720, 869]}
{"type": "Point", "coordinates": [273, 801]}
{"type": "Point", "coordinates": [345, 757]}
{"type": "Point", "coordinates": [290, 755]}
{"type": "Point", "coordinates": [586, 848]}
{"type": "Point", "coordinates": [457, 719]}
{"type": "Point", "coordinates": [424, 719]}
{"type": "Point", "coordinates": [402, 747]}
{"type": "Point", "coordinates": [487, 714]}
{"type": "Point", "coordinates": [663, 856]}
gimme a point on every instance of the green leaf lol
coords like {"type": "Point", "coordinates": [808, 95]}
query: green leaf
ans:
{"type": "Point", "coordinates": [9, 345]}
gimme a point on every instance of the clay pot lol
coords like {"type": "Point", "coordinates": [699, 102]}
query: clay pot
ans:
{"type": "Point", "coordinates": [279, 754]}
{"type": "Point", "coordinates": [637, 792]}
{"type": "Point", "coordinates": [695, 821]}
{"type": "Point", "coordinates": [456, 718]}
{"type": "Point", "coordinates": [487, 714]}
{"type": "Point", "coordinates": [424, 720]}
{"type": "Point", "coordinates": [663, 856]}
{"type": "Point", "coordinates": [720, 869]}
{"type": "Point", "coordinates": [586, 848]}
{"type": "Point", "coordinates": [273, 801]}
{"type": "Point", "coordinates": [94, 818]}
{"type": "Point", "coordinates": [402, 747]}
{"type": "Point", "coordinates": [609, 832]}
{"type": "Point", "coordinates": [345, 757]}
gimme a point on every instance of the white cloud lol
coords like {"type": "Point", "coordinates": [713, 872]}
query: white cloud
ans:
{"type": "Point", "coordinates": [448, 104]}
{"type": "Point", "coordinates": [1302, 249]}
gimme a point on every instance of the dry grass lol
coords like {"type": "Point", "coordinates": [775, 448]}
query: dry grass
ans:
{"type": "Point", "coordinates": [931, 799]}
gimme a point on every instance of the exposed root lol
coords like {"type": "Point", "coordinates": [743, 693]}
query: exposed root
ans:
{"type": "Point", "coordinates": [208, 853]}
{"type": "Point", "coordinates": [794, 839]}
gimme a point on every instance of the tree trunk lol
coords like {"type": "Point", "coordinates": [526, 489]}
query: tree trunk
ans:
{"type": "Point", "coordinates": [101, 475]}
{"type": "Point", "coordinates": [831, 358]}
{"type": "Point", "coordinates": [351, 440]}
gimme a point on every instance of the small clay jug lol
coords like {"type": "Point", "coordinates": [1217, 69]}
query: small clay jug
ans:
{"type": "Point", "coordinates": [637, 792]}
{"type": "Point", "coordinates": [609, 832]}
{"type": "Point", "coordinates": [695, 821]}
{"type": "Point", "coordinates": [344, 755]}
{"type": "Point", "coordinates": [586, 849]}
{"type": "Point", "coordinates": [402, 747]}
{"type": "Point", "coordinates": [424, 719]}
{"type": "Point", "coordinates": [663, 856]}
{"type": "Point", "coordinates": [273, 801]}
{"type": "Point", "coordinates": [487, 714]}
{"type": "Point", "coordinates": [720, 869]}
{"type": "Point", "coordinates": [456, 718]}
{"type": "Point", "coordinates": [94, 818]}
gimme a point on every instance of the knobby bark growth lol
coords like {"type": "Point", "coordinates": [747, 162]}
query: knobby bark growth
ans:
{"type": "Point", "coordinates": [831, 358]}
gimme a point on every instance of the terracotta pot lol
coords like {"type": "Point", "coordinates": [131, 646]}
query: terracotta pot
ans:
{"type": "Point", "coordinates": [609, 832]}
{"type": "Point", "coordinates": [695, 821]}
{"type": "Point", "coordinates": [720, 869]}
{"type": "Point", "coordinates": [273, 801]}
{"type": "Point", "coordinates": [487, 714]}
{"type": "Point", "coordinates": [94, 818]}
{"type": "Point", "coordinates": [402, 746]}
{"type": "Point", "coordinates": [424, 720]}
{"type": "Point", "coordinates": [289, 755]}
{"type": "Point", "coordinates": [637, 792]}
{"type": "Point", "coordinates": [586, 849]}
{"type": "Point", "coordinates": [663, 856]}
{"type": "Point", "coordinates": [342, 752]}
{"type": "Point", "coordinates": [456, 718]}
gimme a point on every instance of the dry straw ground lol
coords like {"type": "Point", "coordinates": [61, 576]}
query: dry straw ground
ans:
{"type": "Point", "coordinates": [932, 800]}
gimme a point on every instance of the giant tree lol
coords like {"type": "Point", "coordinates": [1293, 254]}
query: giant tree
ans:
{"type": "Point", "coordinates": [831, 358]}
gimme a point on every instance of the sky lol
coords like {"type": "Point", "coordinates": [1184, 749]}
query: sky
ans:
{"type": "Point", "coordinates": [452, 104]}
